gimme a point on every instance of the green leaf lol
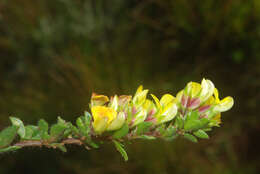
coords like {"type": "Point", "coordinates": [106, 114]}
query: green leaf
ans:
{"type": "Point", "coordinates": [74, 130]}
{"type": "Point", "coordinates": [28, 132]}
{"type": "Point", "coordinates": [36, 132]}
{"type": "Point", "coordinates": [91, 143]}
{"type": "Point", "coordinates": [193, 115]}
{"type": "Point", "coordinates": [207, 129]}
{"type": "Point", "coordinates": [7, 136]}
{"type": "Point", "coordinates": [87, 117]}
{"type": "Point", "coordinates": [121, 132]}
{"type": "Point", "coordinates": [43, 129]}
{"type": "Point", "coordinates": [61, 121]}
{"type": "Point", "coordinates": [59, 146]}
{"type": "Point", "coordinates": [62, 148]}
{"type": "Point", "coordinates": [57, 130]}
{"type": "Point", "coordinates": [84, 128]}
{"type": "Point", "coordinates": [201, 134]}
{"type": "Point", "coordinates": [80, 124]}
{"type": "Point", "coordinates": [179, 122]}
{"type": "Point", "coordinates": [147, 137]}
{"type": "Point", "coordinates": [69, 130]}
{"type": "Point", "coordinates": [83, 124]}
{"type": "Point", "coordinates": [204, 122]}
{"type": "Point", "coordinates": [190, 137]}
{"type": "Point", "coordinates": [143, 127]}
{"type": "Point", "coordinates": [120, 148]}
{"type": "Point", "coordinates": [194, 123]}
{"type": "Point", "coordinates": [17, 122]}
{"type": "Point", "coordinates": [170, 131]}
{"type": "Point", "coordinates": [10, 148]}
{"type": "Point", "coordinates": [161, 129]}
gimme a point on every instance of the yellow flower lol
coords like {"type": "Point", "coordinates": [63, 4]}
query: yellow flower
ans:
{"type": "Point", "coordinates": [102, 117]}
{"type": "Point", "coordinates": [166, 108]}
{"type": "Point", "coordinates": [195, 94]}
{"type": "Point", "coordinates": [139, 113]}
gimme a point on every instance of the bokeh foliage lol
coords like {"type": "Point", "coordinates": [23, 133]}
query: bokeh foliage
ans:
{"type": "Point", "coordinates": [55, 53]}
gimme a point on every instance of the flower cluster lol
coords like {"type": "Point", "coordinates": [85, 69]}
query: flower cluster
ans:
{"type": "Point", "coordinates": [201, 100]}
{"type": "Point", "coordinates": [191, 113]}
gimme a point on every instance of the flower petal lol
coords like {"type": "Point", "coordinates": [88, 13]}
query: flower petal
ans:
{"type": "Point", "coordinates": [179, 96]}
{"type": "Point", "coordinates": [224, 105]}
{"type": "Point", "coordinates": [102, 112]}
{"type": "Point", "coordinates": [114, 103]}
{"type": "Point", "coordinates": [167, 98]}
{"type": "Point", "coordinates": [207, 89]}
{"type": "Point", "coordinates": [139, 117]}
{"type": "Point", "coordinates": [157, 102]}
{"type": "Point", "coordinates": [193, 103]}
{"type": "Point", "coordinates": [195, 90]}
{"type": "Point", "coordinates": [100, 125]}
{"type": "Point", "coordinates": [168, 115]}
{"type": "Point", "coordinates": [98, 100]}
{"type": "Point", "coordinates": [140, 97]}
{"type": "Point", "coordinates": [117, 123]}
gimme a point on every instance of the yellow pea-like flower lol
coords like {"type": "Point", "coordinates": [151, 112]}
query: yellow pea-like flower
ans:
{"type": "Point", "coordinates": [102, 117]}
{"type": "Point", "coordinates": [194, 94]}
{"type": "Point", "coordinates": [167, 108]}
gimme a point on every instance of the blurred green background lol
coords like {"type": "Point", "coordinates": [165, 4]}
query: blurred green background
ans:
{"type": "Point", "coordinates": [55, 53]}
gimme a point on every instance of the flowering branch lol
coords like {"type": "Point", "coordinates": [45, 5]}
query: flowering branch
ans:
{"type": "Point", "coordinates": [193, 112]}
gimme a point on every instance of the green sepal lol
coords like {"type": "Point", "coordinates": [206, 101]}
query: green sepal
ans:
{"type": "Point", "coordinates": [7, 136]}
{"type": "Point", "coordinates": [201, 134]}
{"type": "Point", "coordinates": [190, 137]}
{"type": "Point", "coordinates": [18, 123]}
{"type": "Point", "coordinates": [123, 131]}
{"type": "Point", "coordinates": [143, 127]}
{"type": "Point", "coordinates": [120, 148]}
{"type": "Point", "coordinates": [10, 149]}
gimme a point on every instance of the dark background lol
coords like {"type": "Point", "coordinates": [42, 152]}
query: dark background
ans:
{"type": "Point", "coordinates": [55, 53]}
